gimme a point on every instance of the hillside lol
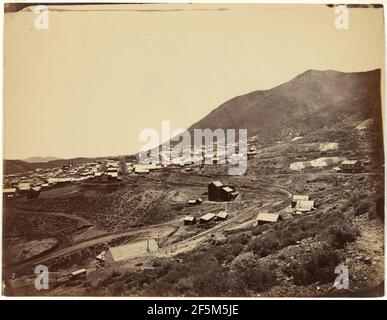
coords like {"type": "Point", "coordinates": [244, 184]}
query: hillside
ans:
{"type": "Point", "coordinates": [18, 166]}
{"type": "Point", "coordinates": [311, 101]}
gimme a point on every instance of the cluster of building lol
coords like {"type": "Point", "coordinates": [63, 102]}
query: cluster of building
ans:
{"type": "Point", "coordinates": [32, 183]}
{"type": "Point", "coordinates": [299, 204]}
{"type": "Point", "coordinates": [353, 166]}
{"type": "Point", "coordinates": [206, 218]}
{"type": "Point", "coordinates": [220, 153]}
{"type": "Point", "coordinates": [217, 191]}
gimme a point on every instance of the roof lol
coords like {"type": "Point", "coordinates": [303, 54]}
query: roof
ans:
{"type": "Point", "coordinates": [24, 185]}
{"type": "Point", "coordinates": [189, 218]}
{"type": "Point", "coordinates": [9, 190]}
{"type": "Point", "coordinates": [304, 205]}
{"type": "Point", "coordinates": [228, 189]}
{"type": "Point", "coordinates": [300, 197]}
{"type": "Point", "coordinates": [80, 271]}
{"type": "Point", "coordinates": [207, 216]}
{"type": "Point", "coordinates": [222, 215]}
{"type": "Point", "coordinates": [350, 162]}
{"type": "Point", "coordinates": [112, 174]}
{"type": "Point", "coordinates": [217, 183]}
{"type": "Point", "coordinates": [268, 217]}
{"type": "Point", "coordinates": [101, 256]}
{"type": "Point", "coordinates": [133, 249]}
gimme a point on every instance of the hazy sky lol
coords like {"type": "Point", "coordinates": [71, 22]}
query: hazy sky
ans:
{"type": "Point", "coordinates": [90, 83]}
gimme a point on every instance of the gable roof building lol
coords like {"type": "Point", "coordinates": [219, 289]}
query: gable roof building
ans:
{"type": "Point", "coordinates": [207, 217]}
{"type": "Point", "coordinates": [264, 217]}
{"type": "Point", "coordinates": [304, 206]}
{"type": "Point", "coordinates": [130, 250]}
{"type": "Point", "coordinates": [298, 197]}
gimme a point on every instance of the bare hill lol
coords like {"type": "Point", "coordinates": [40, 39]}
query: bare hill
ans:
{"type": "Point", "coordinates": [311, 101]}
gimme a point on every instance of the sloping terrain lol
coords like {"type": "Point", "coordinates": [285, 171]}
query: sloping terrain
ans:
{"type": "Point", "coordinates": [312, 101]}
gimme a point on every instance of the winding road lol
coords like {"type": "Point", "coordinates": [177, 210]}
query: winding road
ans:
{"type": "Point", "coordinates": [237, 217]}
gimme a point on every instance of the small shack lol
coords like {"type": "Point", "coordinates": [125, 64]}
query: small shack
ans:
{"type": "Point", "coordinates": [206, 218]}
{"type": "Point", "coordinates": [298, 197]}
{"type": "Point", "coordinates": [194, 202]}
{"type": "Point", "coordinates": [131, 250]}
{"type": "Point", "coordinates": [189, 220]}
{"type": "Point", "coordinates": [264, 217]}
{"type": "Point", "coordinates": [351, 166]}
{"type": "Point", "coordinates": [228, 194]}
{"type": "Point", "coordinates": [24, 187]}
{"type": "Point", "coordinates": [9, 193]}
{"type": "Point", "coordinates": [251, 154]}
{"type": "Point", "coordinates": [304, 206]}
{"type": "Point", "coordinates": [221, 216]}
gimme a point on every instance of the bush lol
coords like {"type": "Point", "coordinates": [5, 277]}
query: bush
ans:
{"type": "Point", "coordinates": [246, 274]}
{"type": "Point", "coordinates": [243, 238]}
{"type": "Point", "coordinates": [318, 268]}
{"type": "Point", "coordinates": [362, 208]}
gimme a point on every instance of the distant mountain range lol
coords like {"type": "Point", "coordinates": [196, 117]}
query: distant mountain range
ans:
{"type": "Point", "coordinates": [40, 159]}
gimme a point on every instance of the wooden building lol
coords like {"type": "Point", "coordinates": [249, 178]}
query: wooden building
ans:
{"type": "Point", "coordinates": [217, 191]}
{"type": "Point", "coordinates": [298, 197]}
{"type": "Point", "coordinates": [264, 217]}
{"type": "Point", "coordinates": [351, 166]}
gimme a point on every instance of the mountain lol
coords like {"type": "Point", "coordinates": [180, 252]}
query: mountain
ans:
{"type": "Point", "coordinates": [40, 159]}
{"type": "Point", "coordinates": [311, 101]}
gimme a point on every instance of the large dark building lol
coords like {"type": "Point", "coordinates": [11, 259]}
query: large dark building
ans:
{"type": "Point", "coordinates": [219, 192]}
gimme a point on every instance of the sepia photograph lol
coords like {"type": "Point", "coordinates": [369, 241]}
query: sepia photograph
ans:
{"type": "Point", "coordinates": [193, 150]}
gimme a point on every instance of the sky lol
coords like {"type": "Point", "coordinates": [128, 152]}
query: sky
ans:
{"type": "Point", "coordinates": [90, 83]}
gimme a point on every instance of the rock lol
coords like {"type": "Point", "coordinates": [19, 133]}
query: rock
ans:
{"type": "Point", "coordinates": [367, 259]}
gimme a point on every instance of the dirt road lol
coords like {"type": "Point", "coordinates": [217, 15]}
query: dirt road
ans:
{"type": "Point", "coordinates": [162, 230]}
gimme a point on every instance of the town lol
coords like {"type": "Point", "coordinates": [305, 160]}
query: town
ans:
{"type": "Point", "coordinates": [213, 207]}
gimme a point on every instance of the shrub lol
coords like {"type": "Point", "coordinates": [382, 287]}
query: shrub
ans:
{"type": "Point", "coordinates": [318, 268]}
{"type": "Point", "coordinates": [247, 274]}
{"type": "Point", "coordinates": [362, 208]}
